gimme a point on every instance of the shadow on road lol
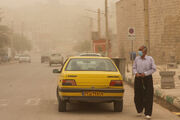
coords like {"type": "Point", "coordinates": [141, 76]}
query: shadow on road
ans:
{"type": "Point", "coordinates": [51, 106]}
{"type": "Point", "coordinates": [90, 107]}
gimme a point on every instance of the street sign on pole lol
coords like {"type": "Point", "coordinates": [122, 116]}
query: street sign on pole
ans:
{"type": "Point", "coordinates": [132, 37]}
{"type": "Point", "coordinates": [131, 33]}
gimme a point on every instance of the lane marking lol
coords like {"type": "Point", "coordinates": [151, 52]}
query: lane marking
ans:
{"type": "Point", "coordinates": [3, 102]}
{"type": "Point", "coordinates": [33, 101]}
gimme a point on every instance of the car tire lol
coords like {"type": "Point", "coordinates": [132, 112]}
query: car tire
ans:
{"type": "Point", "coordinates": [61, 103]}
{"type": "Point", "coordinates": [57, 94]}
{"type": "Point", "coordinates": [118, 106]}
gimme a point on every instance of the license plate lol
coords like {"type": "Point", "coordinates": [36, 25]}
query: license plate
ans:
{"type": "Point", "coordinates": [92, 93]}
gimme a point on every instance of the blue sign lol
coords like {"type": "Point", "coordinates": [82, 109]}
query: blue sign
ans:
{"type": "Point", "coordinates": [132, 55]}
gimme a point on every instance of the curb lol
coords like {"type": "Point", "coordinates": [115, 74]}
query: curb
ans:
{"type": "Point", "coordinates": [173, 100]}
{"type": "Point", "coordinates": [8, 63]}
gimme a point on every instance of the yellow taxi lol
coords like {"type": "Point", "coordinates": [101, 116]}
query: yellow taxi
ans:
{"type": "Point", "coordinates": [89, 79]}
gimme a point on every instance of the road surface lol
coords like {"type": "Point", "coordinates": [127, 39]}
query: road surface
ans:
{"type": "Point", "coordinates": [28, 92]}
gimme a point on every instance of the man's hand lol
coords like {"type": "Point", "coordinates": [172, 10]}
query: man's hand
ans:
{"type": "Point", "coordinates": [138, 75]}
{"type": "Point", "coordinates": [142, 75]}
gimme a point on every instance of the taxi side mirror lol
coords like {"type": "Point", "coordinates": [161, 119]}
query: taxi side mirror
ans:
{"type": "Point", "coordinates": [56, 71]}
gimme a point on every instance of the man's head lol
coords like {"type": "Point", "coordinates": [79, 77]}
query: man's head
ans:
{"type": "Point", "coordinates": [142, 51]}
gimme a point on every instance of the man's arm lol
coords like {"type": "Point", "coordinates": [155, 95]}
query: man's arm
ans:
{"type": "Point", "coordinates": [135, 67]}
{"type": "Point", "coordinates": [152, 70]}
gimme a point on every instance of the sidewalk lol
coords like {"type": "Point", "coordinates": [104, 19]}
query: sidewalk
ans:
{"type": "Point", "coordinates": [171, 96]}
{"type": "Point", "coordinates": [10, 62]}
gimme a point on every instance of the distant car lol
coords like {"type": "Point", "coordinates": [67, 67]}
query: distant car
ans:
{"type": "Point", "coordinates": [89, 79]}
{"type": "Point", "coordinates": [90, 54]}
{"type": "Point", "coordinates": [44, 58]}
{"type": "Point", "coordinates": [24, 58]}
{"type": "Point", "coordinates": [4, 58]}
{"type": "Point", "coordinates": [16, 57]}
{"type": "Point", "coordinates": [56, 58]}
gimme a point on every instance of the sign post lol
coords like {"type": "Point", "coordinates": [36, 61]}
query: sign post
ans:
{"type": "Point", "coordinates": [132, 37]}
{"type": "Point", "coordinates": [131, 33]}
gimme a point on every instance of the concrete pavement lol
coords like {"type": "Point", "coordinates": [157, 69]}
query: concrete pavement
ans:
{"type": "Point", "coordinates": [28, 92]}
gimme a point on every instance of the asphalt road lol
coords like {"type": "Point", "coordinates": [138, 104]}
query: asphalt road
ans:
{"type": "Point", "coordinates": [28, 92]}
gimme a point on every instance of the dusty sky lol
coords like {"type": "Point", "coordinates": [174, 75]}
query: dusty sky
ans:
{"type": "Point", "coordinates": [71, 24]}
{"type": "Point", "coordinates": [84, 3]}
{"type": "Point", "coordinates": [15, 3]}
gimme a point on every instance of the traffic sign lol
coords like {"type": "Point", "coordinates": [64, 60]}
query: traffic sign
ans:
{"type": "Point", "coordinates": [131, 33]}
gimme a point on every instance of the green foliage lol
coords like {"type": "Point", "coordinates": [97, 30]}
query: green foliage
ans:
{"type": "Point", "coordinates": [83, 46]}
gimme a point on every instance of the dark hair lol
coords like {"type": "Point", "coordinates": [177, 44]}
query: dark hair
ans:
{"type": "Point", "coordinates": [145, 48]}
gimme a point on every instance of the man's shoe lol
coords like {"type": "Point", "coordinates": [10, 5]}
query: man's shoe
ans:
{"type": "Point", "coordinates": [148, 117]}
{"type": "Point", "coordinates": [139, 114]}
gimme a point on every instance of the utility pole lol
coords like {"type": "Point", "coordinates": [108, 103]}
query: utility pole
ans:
{"type": "Point", "coordinates": [99, 22]}
{"type": "Point", "coordinates": [12, 38]}
{"type": "Point", "coordinates": [91, 27]}
{"type": "Point", "coordinates": [107, 28]}
{"type": "Point", "coordinates": [0, 15]}
{"type": "Point", "coordinates": [98, 12]}
{"type": "Point", "coordinates": [22, 30]}
{"type": "Point", "coordinates": [146, 24]}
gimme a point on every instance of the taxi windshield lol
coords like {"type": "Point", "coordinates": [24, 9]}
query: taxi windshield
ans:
{"type": "Point", "coordinates": [90, 64]}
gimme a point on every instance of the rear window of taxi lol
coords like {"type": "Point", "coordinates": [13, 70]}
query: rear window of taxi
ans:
{"type": "Point", "coordinates": [90, 64]}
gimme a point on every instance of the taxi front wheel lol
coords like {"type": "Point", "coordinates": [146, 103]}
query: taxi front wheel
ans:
{"type": "Point", "coordinates": [118, 106]}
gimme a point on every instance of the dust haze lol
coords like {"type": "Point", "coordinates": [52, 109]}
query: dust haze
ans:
{"type": "Point", "coordinates": [51, 24]}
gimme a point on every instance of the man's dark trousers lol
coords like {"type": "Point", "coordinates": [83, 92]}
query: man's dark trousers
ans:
{"type": "Point", "coordinates": [144, 91]}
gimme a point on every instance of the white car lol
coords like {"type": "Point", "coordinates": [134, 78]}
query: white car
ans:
{"type": "Point", "coordinates": [56, 58]}
{"type": "Point", "coordinates": [16, 57]}
{"type": "Point", "coordinates": [24, 58]}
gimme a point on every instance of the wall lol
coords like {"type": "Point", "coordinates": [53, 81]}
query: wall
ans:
{"type": "Point", "coordinates": [164, 30]}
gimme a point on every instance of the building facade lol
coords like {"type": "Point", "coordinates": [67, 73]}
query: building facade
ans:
{"type": "Point", "coordinates": [164, 28]}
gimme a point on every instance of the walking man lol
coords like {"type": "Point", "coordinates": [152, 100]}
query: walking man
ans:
{"type": "Point", "coordinates": [143, 68]}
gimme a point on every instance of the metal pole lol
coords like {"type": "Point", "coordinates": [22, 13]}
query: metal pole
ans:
{"type": "Point", "coordinates": [91, 28]}
{"type": "Point", "coordinates": [99, 23]}
{"type": "Point", "coordinates": [12, 38]}
{"type": "Point", "coordinates": [132, 55]}
{"type": "Point", "coordinates": [107, 27]}
{"type": "Point", "coordinates": [11, 41]}
{"type": "Point", "coordinates": [146, 24]}
{"type": "Point", "coordinates": [22, 30]}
